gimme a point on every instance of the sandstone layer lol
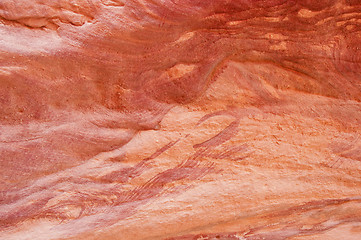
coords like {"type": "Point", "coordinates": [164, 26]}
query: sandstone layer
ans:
{"type": "Point", "coordinates": [180, 119]}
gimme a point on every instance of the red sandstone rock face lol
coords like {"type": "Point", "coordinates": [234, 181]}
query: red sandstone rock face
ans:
{"type": "Point", "coordinates": [180, 119]}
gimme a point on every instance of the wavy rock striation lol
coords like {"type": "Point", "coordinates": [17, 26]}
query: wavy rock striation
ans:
{"type": "Point", "coordinates": [180, 119]}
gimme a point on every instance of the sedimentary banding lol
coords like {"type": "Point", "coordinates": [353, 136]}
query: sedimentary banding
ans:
{"type": "Point", "coordinates": [119, 114]}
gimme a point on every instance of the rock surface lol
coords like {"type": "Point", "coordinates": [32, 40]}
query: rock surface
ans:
{"type": "Point", "coordinates": [180, 119]}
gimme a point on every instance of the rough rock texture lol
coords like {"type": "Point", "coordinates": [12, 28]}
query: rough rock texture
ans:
{"type": "Point", "coordinates": [180, 119]}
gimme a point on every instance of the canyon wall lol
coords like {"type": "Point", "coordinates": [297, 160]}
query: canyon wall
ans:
{"type": "Point", "coordinates": [180, 119]}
